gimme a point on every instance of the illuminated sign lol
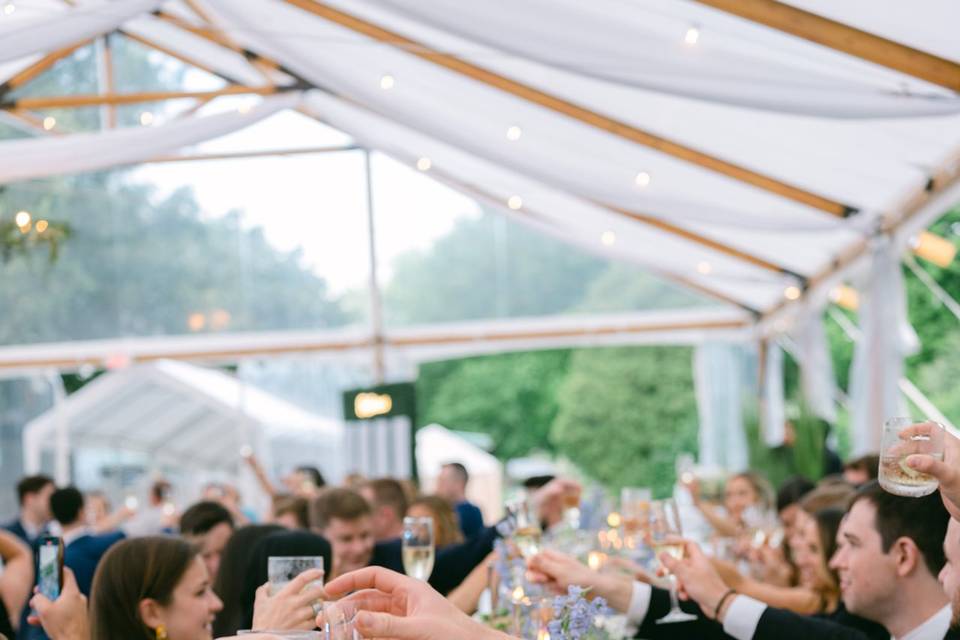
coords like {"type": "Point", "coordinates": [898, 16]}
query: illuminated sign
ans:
{"type": "Point", "coordinates": [369, 404]}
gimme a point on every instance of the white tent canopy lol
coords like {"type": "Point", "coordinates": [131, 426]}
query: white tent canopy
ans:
{"type": "Point", "coordinates": [749, 150]}
{"type": "Point", "coordinates": [178, 415]}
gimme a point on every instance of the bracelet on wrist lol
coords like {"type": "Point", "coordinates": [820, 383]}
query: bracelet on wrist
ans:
{"type": "Point", "coordinates": [723, 599]}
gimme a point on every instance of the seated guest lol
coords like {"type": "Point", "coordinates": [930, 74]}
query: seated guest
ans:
{"type": "Point", "coordinates": [292, 512]}
{"type": "Point", "coordinates": [788, 501]}
{"type": "Point", "coordinates": [862, 470]}
{"type": "Point", "coordinates": [208, 526]}
{"type": "Point", "coordinates": [452, 487]}
{"type": "Point", "coordinates": [742, 491]}
{"type": "Point", "coordinates": [344, 518]}
{"type": "Point", "coordinates": [446, 530]}
{"type": "Point", "coordinates": [33, 495]}
{"type": "Point", "coordinates": [230, 584]}
{"type": "Point", "coordinates": [389, 504]}
{"type": "Point", "coordinates": [890, 550]}
{"type": "Point", "coordinates": [83, 549]}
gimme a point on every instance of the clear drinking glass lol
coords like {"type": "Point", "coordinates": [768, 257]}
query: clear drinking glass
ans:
{"type": "Point", "coordinates": [418, 547]}
{"type": "Point", "coordinates": [282, 569]}
{"type": "Point", "coordinates": [903, 437]}
{"type": "Point", "coordinates": [528, 532]}
{"type": "Point", "coordinates": [339, 621]}
{"type": "Point", "coordinates": [665, 530]}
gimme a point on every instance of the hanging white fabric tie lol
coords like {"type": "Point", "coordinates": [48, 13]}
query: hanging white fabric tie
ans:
{"type": "Point", "coordinates": [718, 376]}
{"type": "Point", "coordinates": [43, 157]}
{"type": "Point", "coordinates": [886, 338]}
{"type": "Point", "coordinates": [773, 414]}
{"type": "Point", "coordinates": [52, 30]}
{"type": "Point", "coordinates": [817, 378]}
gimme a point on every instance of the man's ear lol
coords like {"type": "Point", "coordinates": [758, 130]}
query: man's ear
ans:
{"type": "Point", "coordinates": [907, 556]}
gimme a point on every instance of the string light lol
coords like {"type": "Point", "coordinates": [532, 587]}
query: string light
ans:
{"type": "Point", "coordinates": [49, 123]}
{"type": "Point", "coordinates": [42, 226]}
{"type": "Point", "coordinates": [791, 293]}
{"type": "Point", "coordinates": [146, 118]}
{"type": "Point", "coordinates": [387, 82]}
{"type": "Point", "coordinates": [196, 321]}
{"type": "Point", "coordinates": [513, 133]}
{"type": "Point", "coordinates": [845, 296]}
{"type": "Point", "coordinates": [642, 179]}
{"type": "Point", "coordinates": [424, 164]}
{"type": "Point", "coordinates": [514, 202]}
{"type": "Point", "coordinates": [22, 219]}
{"type": "Point", "coordinates": [704, 268]}
{"type": "Point", "coordinates": [8, 9]}
{"type": "Point", "coordinates": [608, 238]}
{"type": "Point", "coordinates": [692, 36]}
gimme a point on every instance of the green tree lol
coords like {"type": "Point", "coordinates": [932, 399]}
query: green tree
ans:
{"type": "Point", "coordinates": [512, 397]}
{"type": "Point", "coordinates": [625, 414]}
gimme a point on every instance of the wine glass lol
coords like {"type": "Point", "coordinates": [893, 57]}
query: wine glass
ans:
{"type": "Point", "coordinates": [527, 534]}
{"type": "Point", "coordinates": [665, 532]}
{"type": "Point", "coordinates": [634, 514]}
{"type": "Point", "coordinates": [418, 547]}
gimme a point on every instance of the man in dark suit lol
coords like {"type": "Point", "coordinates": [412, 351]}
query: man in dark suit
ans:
{"type": "Point", "coordinates": [889, 554]}
{"type": "Point", "coordinates": [452, 487]}
{"type": "Point", "coordinates": [33, 494]}
{"type": "Point", "coordinates": [82, 548]}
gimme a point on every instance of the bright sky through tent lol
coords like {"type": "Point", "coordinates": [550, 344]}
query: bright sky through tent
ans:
{"type": "Point", "coordinates": [317, 202]}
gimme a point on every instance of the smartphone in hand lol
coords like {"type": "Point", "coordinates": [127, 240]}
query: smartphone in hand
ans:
{"type": "Point", "coordinates": [50, 566]}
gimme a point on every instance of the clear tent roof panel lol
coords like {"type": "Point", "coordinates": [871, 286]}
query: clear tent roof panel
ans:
{"type": "Point", "coordinates": [848, 132]}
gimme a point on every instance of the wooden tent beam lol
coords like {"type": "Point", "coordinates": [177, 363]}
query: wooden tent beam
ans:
{"type": "Point", "coordinates": [59, 102]}
{"type": "Point", "coordinates": [34, 70]}
{"type": "Point", "coordinates": [574, 111]}
{"type": "Point", "coordinates": [845, 39]}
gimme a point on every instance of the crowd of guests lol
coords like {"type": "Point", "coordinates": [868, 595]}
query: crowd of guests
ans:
{"type": "Point", "coordinates": [159, 574]}
{"type": "Point", "coordinates": [848, 561]}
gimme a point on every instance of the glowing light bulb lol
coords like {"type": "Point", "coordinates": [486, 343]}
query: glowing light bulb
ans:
{"type": "Point", "coordinates": [704, 268]}
{"type": "Point", "coordinates": [146, 118]}
{"type": "Point", "coordinates": [642, 179]}
{"type": "Point", "coordinates": [42, 226]}
{"type": "Point", "coordinates": [387, 82]}
{"type": "Point", "coordinates": [23, 218]}
{"type": "Point", "coordinates": [515, 202]}
{"type": "Point", "coordinates": [791, 293]}
{"type": "Point", "coordinates": [424, 164]}
{"type": "Point", "coordinates": [49, 123]}
{"type": "Point", "coordinates": [608, 238]}
{"type": "Point", "coordinates": [8, 9]}
{"type": "Point", "coordinates": [692, 36]}
{"type": "Point", "coordinates": [513, 133]}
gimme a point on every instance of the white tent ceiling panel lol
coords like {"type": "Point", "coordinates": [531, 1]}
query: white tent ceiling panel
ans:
{"type": "Point", "coordinates": [640, 45]}
{"type": "Point", "coordinates": [918, 25]}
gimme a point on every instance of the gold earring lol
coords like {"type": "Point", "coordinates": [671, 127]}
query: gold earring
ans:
{"type": "Point", "coordinates": [161, 632]}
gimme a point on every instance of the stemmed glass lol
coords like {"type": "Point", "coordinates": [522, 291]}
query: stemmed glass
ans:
{"type": "Point", "coordinates": [634, 514]}
{"type": "Point", "coordinates": [418, 547]}
{"type": "Point", "coordinates": [527, 534]}
{"type": "Point", "coordinates": [665, 532]}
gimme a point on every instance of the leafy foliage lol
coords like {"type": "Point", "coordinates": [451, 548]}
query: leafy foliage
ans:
{"type": "Point", "coordinates": [626, 413]}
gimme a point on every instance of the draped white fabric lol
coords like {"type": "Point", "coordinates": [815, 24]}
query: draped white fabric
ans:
{"type": "Point", "coordinates": [28, 32]}
{"type": "Point", "coordinates": [817, 377]}
{"type": "Point", "coordinates": [885, 338]}
{"type": "Point", "coordinates": [718, 374]}
{"type": "Point", "coordinates": [734, 62]}
{"type": "Point", "coordinates": [42, 157]}
{"type": "Point", "coordinates": [773, 416]}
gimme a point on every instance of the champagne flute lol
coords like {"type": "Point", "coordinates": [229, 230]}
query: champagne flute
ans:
{"type": "Point", "coordinates": [664, 531]}
{"type": "Point", "coordinates": [418, 547]}
{"type": "Point", "coordinates": [527, 534]}
{"type": "Point", "coordinates": [634, 513]}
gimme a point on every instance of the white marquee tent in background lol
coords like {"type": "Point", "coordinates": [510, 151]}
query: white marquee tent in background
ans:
{"type": "Point", "coordinates": [771, 155]}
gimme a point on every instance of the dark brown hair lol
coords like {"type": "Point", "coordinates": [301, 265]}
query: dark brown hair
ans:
{"type": "Point", "coordinates": [131, 571]}
{"type": "Point", "coordinates": [342, 504]}
{"type": "Point", "coordinates": [444, 520]}
{"type": "Point", "coordinates": [285, 503]}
